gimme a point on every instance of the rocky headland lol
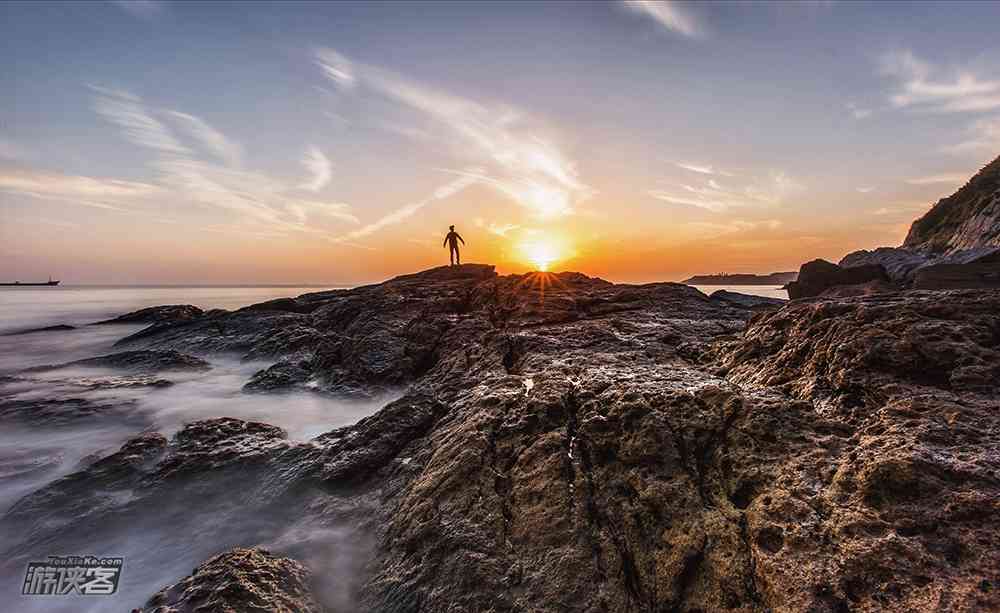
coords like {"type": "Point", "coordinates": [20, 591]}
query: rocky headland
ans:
{"type": "Point", "coordinates": [567, 444]}
{"type": "Point", "coordinates": [955, 245]}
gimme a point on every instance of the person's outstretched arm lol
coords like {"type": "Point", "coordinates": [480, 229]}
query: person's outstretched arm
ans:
{"type": "Point", "coordinates": [459, 237]}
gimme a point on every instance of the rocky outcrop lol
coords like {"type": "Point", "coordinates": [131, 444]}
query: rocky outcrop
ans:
{"type": "Point", "coordinates": [957, 276]}
{"type": "Point", "coordinates": [565, 443]}
{"type": "Point", "coordinates": [170, 313]}
{"type": "Point", "coordinates": [147, 362]}
{"type": "Point", "coordinates": [236, 581]}
{"type": "Point", "coordinates": [903, 265]}
{"type": "Point", "coordinates": [955, 245]}
{"type": "Point", "coordinates": [968, 219]}
{"type": "Point", "coordinates": [817, 276]}
{"type": "Point", "coordinates": [56, 328]}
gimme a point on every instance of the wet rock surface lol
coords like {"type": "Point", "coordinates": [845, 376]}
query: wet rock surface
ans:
{"type": "Point", "coordinates": [239, 580]}
{"type": "Point", "coordinates": [170, 313]}
{"type": "Point", "coordinates": [565, 443]}
{"type": "Point", "coordinates": [133, 361]}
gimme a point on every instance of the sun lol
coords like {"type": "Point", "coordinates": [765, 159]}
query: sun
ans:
{"type": "Point", "coordinates": [540, 253]}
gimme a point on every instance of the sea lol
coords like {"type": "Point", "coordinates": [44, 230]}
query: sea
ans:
{"type": "Point", "coordinates": [768, 291]}
{"type": "Point", "coordinates": [38, 452]}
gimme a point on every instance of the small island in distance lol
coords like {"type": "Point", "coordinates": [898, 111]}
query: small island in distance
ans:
{"type": "Point", "coordinates": [774, 278]}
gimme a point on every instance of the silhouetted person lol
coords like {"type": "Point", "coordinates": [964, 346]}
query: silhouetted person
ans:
{"type": "Point", "coordinates": [451, 239]}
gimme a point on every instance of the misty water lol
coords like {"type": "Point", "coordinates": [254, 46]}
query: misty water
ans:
{"type": "Point", "coordinates": [31, 456]}
{"type": "Point", "coordinates": [768, 291]}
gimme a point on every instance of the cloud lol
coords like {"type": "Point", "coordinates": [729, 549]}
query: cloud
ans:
{"type": "Point", "coordinates": [670, 15]}
{"type": "Point", "coordinates": [88, 191]}
{"type": "Point", "coordinates": [213, 140]}
{"type": "Point", "coordinates": [336, 67]}
{"type": "Point", "coordinates": [139, 126]}
{"type": "Point", "coordinates": [984, 138]}
{"type": "Point", "coordinates": [702, 169]}
{"type": "Point", "coordinates": [143, 9]}
{"type": "Point", "coordinates": [500, 230]}
{"type": "Point", "coordinates": [516, 159]}
{"type": "Point", "coordinates": [707, 230]}
{"type": "Point", "coordinates": [865, 190]}
{"type": "Point", "coordinates": [405, 212]}
{"type": "Point", "coordinates": [711, 196]}
{"type": "Point", "coordinates": [262, 204]}
{"type": "Point", "coordinates": [319, 166]}
{"type": "Point", "coordinates": [921, 87]}
{"type": "Point", "coordinates": [954, 178]}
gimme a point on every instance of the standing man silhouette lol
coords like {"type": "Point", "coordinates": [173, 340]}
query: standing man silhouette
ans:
{"type": "Point", "coordinates": [451, 239]}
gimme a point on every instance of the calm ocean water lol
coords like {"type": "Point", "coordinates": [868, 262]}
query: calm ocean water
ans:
{"type": "Point", "coordinates": [769, 291]}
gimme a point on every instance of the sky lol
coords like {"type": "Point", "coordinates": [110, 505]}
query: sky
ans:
{"type": "Point", "coordinates": [181, 142]}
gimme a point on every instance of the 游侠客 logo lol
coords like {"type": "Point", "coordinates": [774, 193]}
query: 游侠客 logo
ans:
{"type": "Point", "coordinates": [73, 575]}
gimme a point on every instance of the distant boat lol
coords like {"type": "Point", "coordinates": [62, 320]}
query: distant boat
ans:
{"type": "Point", "coordinates": [48, 283]}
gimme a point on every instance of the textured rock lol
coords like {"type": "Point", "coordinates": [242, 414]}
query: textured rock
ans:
{"type": "Point", "coordinates": [236, 581]}
{"type": "Point", "coordinates": [817, 276]}
{"type": "Point", "coordinates": [569, 444]}
{"type": "Point", "coordinates": [170, 313]}
{"type": "Point", "coordinates": [968, 219]}
{"type": "Point", "coordinates": [134, 361]}
{"type": "Point", "coordinates": [958, 276]}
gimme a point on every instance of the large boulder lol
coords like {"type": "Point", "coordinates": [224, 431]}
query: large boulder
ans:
{"type": "Point", "coordinates": [817, 276]}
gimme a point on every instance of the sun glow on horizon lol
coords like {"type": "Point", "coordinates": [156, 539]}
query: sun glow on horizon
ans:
{"type": "Point", "coordinates": [543, 252]}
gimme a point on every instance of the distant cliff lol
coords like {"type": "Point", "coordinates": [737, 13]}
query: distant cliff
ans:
{"type": "Point", "coordinates": [967, 219]}
{"type": "Point", "coordinates": [775, 278]}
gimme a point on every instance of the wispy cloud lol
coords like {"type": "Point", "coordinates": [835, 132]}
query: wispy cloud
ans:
{"type": "Point", "coordinates": [88, 191]}
{"type": "Point", "coordinates": [213, 140]}
{"type": "Point", "coordinates": [143, 9]}
{"type": "Point", "coordinates": [952, 177]}
{"type": "Point", "coordinates": [865, 189]}
{"type": "Point", "coordinates": [707, 230]}
{"type": "Point", "coordinates": [704, 169]}
{"type": "Point", "coordinates": [922, 86]}
{"type": "Point", "coordinates": [259, 203]}
{"type": "Point", "coordinates": [672, 16]}
{"type": "Point", "coordinates": [501, 230]}
{"type": "Point", "coordinates": [712, 196]}
{"type": "Point", "coordinates": [983, 139]}
{"type": "Point", "coordinates": [405, 212]}
{"type": "Point", "coordinates": [138, 125]}
{"type": "Point", "coordinates": [319, 167]}
{"type": "Point", "coordinates": [516, 159]}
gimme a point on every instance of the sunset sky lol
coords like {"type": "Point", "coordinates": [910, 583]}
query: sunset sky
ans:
{"type": "Point", "coordinates": [159, 142]}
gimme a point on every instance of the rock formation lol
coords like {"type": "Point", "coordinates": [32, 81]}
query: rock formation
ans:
{"type": "Point", "coordinates": [968, 219]}
{"type": "Point", "coordinates": [567, 444]}
{"type": "Point", "coordinates": [236, 581]}
{"type": "Point", "coordinates": [818, 276]}
{"type": "Point", "coordinates": [961, 232]}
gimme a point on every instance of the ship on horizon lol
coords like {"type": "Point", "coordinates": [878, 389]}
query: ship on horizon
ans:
{"type": "Point", "coordinates": [48, 283]}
